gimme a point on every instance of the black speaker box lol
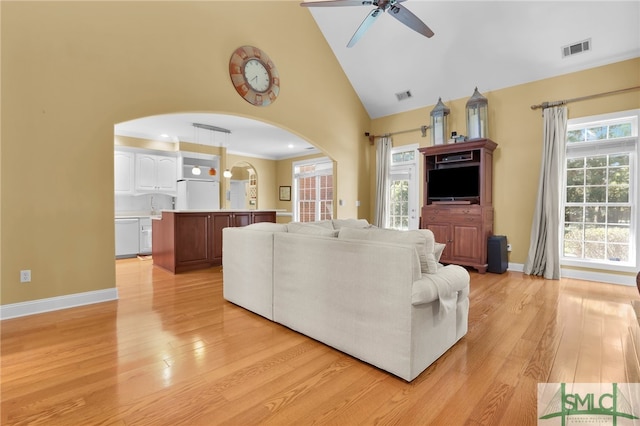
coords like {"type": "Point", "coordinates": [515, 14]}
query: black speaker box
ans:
{"type": "Point", "coordinates": [497, 254]}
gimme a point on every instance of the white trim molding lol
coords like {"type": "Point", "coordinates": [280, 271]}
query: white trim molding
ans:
{"type": "Point", "coordinates": [579, 274]}
{"type": "Point", "coordinates": [32, 307]}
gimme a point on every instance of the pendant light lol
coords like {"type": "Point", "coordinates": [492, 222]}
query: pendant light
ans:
{"type": "Point", "coordinates": [212, 171]}
{"type": "Point", "coordinates": [195, 170]}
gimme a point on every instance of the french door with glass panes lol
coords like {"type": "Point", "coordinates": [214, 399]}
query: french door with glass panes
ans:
{"type": "Point", "coordinates": [402, 191]}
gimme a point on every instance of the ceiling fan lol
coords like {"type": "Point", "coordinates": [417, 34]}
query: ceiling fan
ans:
{"type": "Point", "coordinates": [394, 8]}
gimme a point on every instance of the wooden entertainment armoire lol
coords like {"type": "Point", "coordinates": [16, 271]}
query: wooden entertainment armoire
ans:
{"type": "Point", "coordinates": [464, 225]}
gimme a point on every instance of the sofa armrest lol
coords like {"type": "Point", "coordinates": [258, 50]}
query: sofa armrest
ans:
{"type": "Point", "coordinates": [443, 286]}
{"type": "Point", "coordinates": [247, 269]}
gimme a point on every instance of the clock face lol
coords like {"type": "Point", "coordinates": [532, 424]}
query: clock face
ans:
{"type": "Point", "coordinates": [257, 75]}
{"type": "Point", "coordinates": [254, 75]}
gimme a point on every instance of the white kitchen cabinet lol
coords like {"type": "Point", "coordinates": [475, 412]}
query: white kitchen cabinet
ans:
{"type": "Point", "coordinates": [124, 165]}
{"type": "Point", "coordinates": [167, 174]}
{"type": "Point", "coordinates": [155, 173]}
{"type": "Point", "coordinates": [127, 237]}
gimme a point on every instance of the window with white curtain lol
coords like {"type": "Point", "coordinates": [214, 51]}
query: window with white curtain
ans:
{"type": "Point", "coordinates": [600, 194]}
{"type": "Point", "coordinates": [313, 190]}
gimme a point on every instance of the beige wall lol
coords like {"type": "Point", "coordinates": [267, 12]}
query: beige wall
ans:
{"type": "Point", "coordinates": [71, 70]}
{"type": "Point", "coordinates": [518, 132]}
{"type": "Point", "coordinates": [266, 173]}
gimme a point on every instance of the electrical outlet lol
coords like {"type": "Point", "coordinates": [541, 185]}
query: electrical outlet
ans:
{"type": "Point", "coordinates": [25, 276]}
{"type": "Point", "coordinates": [508, 247]}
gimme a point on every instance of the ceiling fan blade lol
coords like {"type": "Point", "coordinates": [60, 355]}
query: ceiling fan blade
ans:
{"type": "Point", "coordinates": [332, 3]}
{"type": "Point", "coordinates": [403, 15]}
{"type": "Point", "coordinates": [368, 21]}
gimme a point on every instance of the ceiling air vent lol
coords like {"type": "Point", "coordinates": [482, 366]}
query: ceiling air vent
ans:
{"type": "Point", "coordinates": [403, 95]}
{"type": "Point", "coordinates": [579, 47]}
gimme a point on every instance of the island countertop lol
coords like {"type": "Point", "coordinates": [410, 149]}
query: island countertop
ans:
{"type": "Point", "coordinates": [159, 216]}
{"type": "Point", "coordinates": [219, 210]}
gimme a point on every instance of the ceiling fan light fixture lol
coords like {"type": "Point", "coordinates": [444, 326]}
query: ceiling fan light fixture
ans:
{"type": "Point", "coordinates": [394, 8]}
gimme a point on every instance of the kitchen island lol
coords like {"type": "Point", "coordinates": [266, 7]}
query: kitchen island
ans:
{"type": "Point", "coordinates": [185, 240]}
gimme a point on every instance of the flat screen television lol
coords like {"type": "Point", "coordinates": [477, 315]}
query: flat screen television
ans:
{"type": "Point", "coordinates": [454, 183]}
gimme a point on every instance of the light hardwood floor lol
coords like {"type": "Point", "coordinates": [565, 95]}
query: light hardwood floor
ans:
{"type": "Point", "coordinates": [171, 351]}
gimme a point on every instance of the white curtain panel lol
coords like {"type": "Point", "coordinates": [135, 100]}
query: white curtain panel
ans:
{"type": "Point", "coordinates": [383, 160]}
{"type": "Point", "coordinates": [544, 247]}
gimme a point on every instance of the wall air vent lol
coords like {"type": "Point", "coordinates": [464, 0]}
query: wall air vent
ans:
{"type": "Point", "coordinates": [575, 48]}
{"type": "Point", "coordinates": [403, 95]}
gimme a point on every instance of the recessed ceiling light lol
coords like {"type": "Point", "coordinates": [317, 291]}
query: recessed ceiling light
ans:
{"type": "Point", "coordinates": [290, 145]}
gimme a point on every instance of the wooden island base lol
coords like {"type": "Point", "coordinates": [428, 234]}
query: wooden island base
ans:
{"type": "Point", "coordinates": [187, 240]}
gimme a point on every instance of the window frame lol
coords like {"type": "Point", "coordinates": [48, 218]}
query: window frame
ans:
{"type": "Point", "coordinates": [606, 146]}
{"type": "Point", "coordinates": [295, 194]}
{"type": "Point", "coordinates": [411, 169]}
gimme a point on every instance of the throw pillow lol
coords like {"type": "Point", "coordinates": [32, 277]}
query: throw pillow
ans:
{"type": "Point", "coordinates": [322, 223]}
{"type": "Point", "coordinates": [421, 239]}
{"type": "Point", "coordinates": [303, 228]}
{"type": "Point", "coordinates": [350, 223]}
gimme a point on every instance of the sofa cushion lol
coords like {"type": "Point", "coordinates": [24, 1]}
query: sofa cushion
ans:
{"type": "Point", "coordinates": [350, 223]}
{"type": "Point", "coordinates": [421, 239]}
{"type": "Point", "coordinates": [437, 252]}
{"type": "Point", "coordinates": [267, 226]}
{"type": "Point", "coordinates": [311, 228]}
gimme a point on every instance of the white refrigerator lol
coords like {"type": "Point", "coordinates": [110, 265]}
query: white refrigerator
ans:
{"type": "Point", "coordinates": [194, 194]}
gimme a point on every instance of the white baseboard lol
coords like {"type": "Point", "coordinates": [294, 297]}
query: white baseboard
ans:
{"type": "Point", "coordinates": [579, 274]}
{"type": "Point", "coordinates": [21, 309]}
{"type": "Point", "coordinates": [517, 267]}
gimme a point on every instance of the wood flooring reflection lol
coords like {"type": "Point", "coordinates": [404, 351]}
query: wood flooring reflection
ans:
{"type": "Point", "coordinates": [171, 351]}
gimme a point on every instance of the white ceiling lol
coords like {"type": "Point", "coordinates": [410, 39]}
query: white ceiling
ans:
{"type": "Point", "coordinates": [489, 45]}
{"type": "Point", "coordinates": [248, 137]}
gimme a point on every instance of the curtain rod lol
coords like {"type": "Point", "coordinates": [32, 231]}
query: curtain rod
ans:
{"type": "Point", "coordinates": [372, 138]}
{"type": "Point", "coordinates": [582, 98]}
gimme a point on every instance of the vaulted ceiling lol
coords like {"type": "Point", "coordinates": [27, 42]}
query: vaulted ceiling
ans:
{"type": "Point", "coordinates": [485, 44]}
{"type": "Point", "coordinates": [488, 44]}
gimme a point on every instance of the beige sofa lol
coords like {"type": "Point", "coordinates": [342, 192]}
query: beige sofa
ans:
{"type": "Point", "coordinates": [378, 295]}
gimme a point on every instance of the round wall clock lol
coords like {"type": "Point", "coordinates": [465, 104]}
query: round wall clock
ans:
{"type": "Point", "coordinates": [254, 75]}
